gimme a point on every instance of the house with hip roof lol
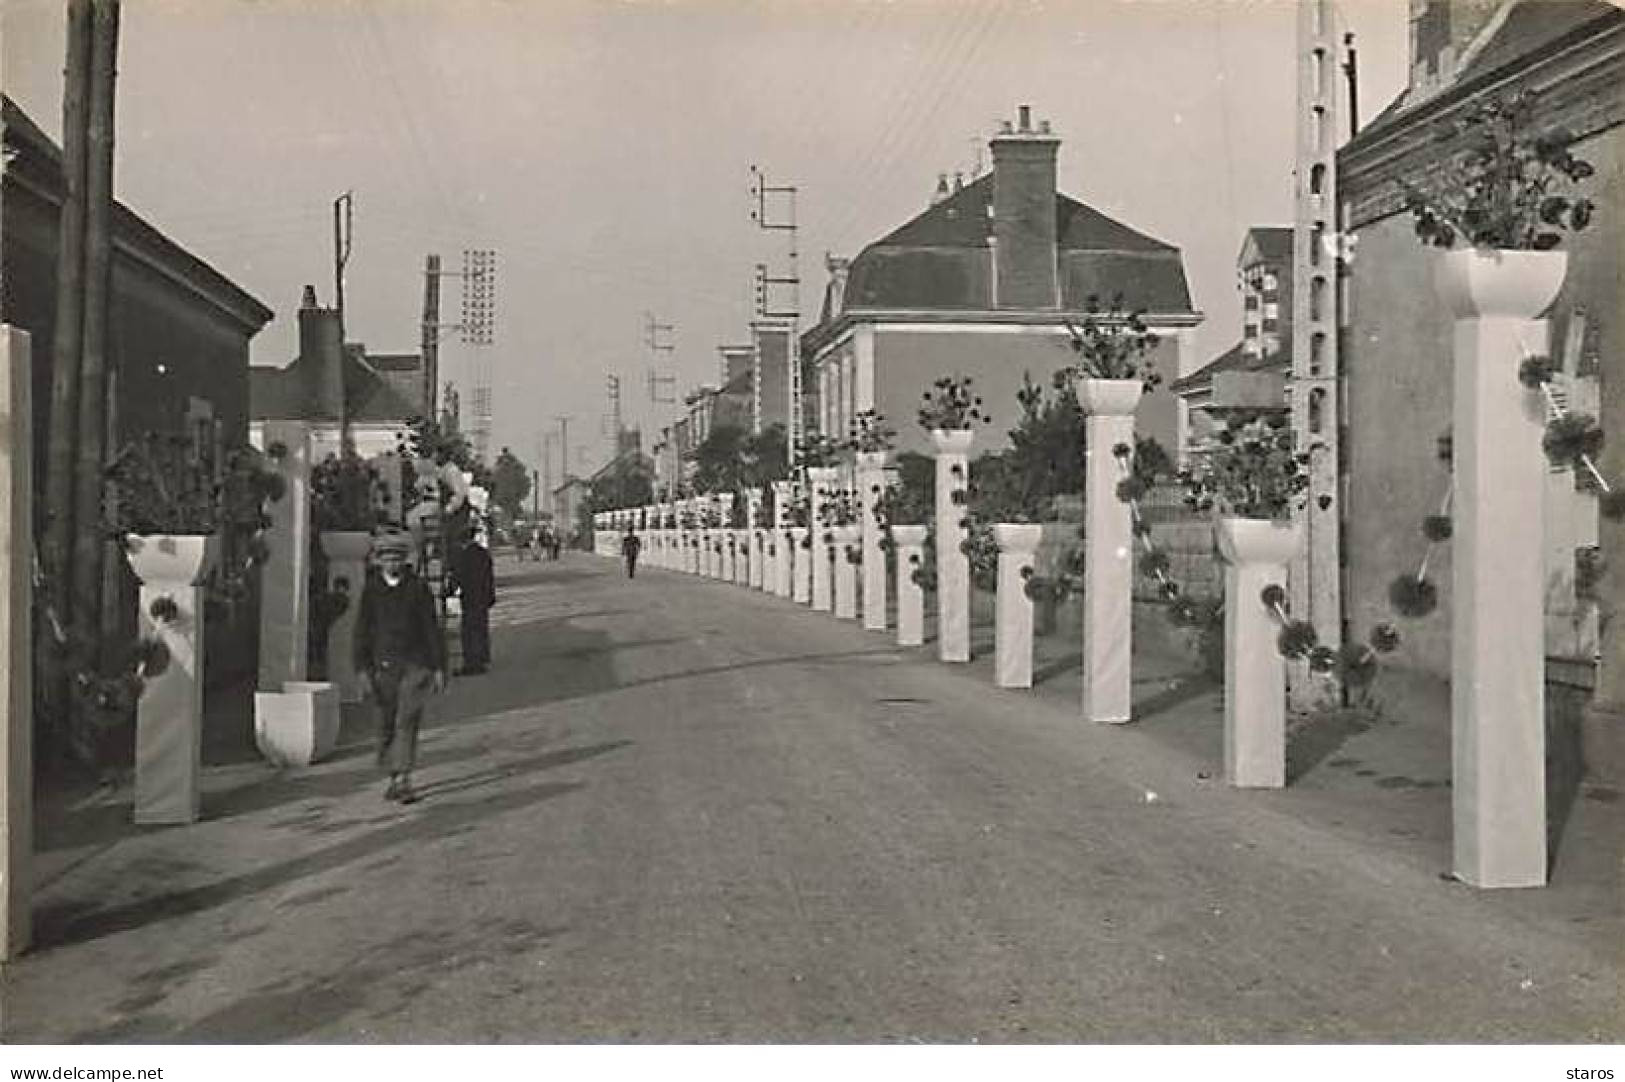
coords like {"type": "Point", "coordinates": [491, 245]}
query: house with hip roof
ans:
{"type": "Point", "coordinates": [985, 283]}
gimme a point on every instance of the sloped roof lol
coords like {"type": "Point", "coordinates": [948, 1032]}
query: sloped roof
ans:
{"type": "Point", "coordinates": [1529, 27]}
{"type": "Point", "coordinates": [129, 227]}
{"type": "Point", "coordinates": [1274, 242]}
{"type": "Point", "coordinates": [1234, 359]}
{"type": "Point", "coordinates": [940, 259]}
{"type": "Point", "coordinates": [293, 392]}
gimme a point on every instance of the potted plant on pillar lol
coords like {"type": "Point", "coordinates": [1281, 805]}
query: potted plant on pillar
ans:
{"type": "Point", "coordinates": [175, 506]}
{"type": "Point", "coordinates": [346, 505]}
{"type": "Point", "coordinates": [1252, 482]}
{"type": "Point", "coordinates": [1507, 197]}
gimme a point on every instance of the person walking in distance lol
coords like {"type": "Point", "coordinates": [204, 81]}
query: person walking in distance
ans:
{"type": "Point", "coordinates": [476, 585]}
{"type": "Point", "coordinates": [630, 546]}
{"type": "Point", "coordinates": [401, 659]}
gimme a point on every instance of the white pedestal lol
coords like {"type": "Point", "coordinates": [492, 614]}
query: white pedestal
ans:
{"type": "Point", "coordinates": [1255, 553]}
{"type": "Point", "coordinates": [346, 553]}
{"type": "Point", "coordinates": [823, 571]}
{"type": "Point", "coordinates": [909, 542]}
{"type": "Point", "coordinates": [953, 566]}
{"type": "Point", "coordinates": [1497, 662]}
{"type": "Point", "coordinates": [298, 725]}
{"type": "Point", "coordinates": [784, 563]}
{"type": "Point", "coordinates": [758, 559]}
{"type": "Point", "coordinates": [169, 716]}
{"type": "Point", "coordinates": [802, 555]}
{"type": "Point", "coordinates": [871, 480]}
{"type": "Point", "coordinates": [285, 576]}
{"type": "Point", "coordinates": [16, 656]}
{"type": "Point", "coordinates": [1013, 624]}
{"type": "Point", "coordinates": [1108, 543]}
{"type": "Point", "coordinates": [846, 572]}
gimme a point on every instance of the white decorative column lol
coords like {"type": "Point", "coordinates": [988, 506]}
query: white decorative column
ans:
{"type": "Point", "coordinates": [846, 572]}
{"type": "Point", "coordinates": [1013, 623]}
{"type": "Point", "coordinates": [1255, 554]}
{"type": "Point", "coordinates": [1108, 548]}
{"type": "Point", "coordinates": [1497, 649]}
{"type": "Point", "coordinates": [16, 650]}
{"type": "Point", "coordinates": [783, 561]}
{"type": "Point", "coordinates": [285, 576]}
{"type": "Point", "coordinates": [821, 479]}
{"type": "Point", "coordinates": [871, 481]}
{"type": "Point", "coordinates": [909, 542]}
{"type": "Point", "coordinates": [346, 552]}
{"type": "Point", "coordinates": [802, 564]}
{"type": "Point", "coordinates": [758, 548]}
{"type": "Point", "coordinates": [953, 566]}
{"type": "Point", "coordinates": [169, 715]}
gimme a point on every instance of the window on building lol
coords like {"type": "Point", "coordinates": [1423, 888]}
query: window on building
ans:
{"type": "Point", "coordinates": [1272, 311]}
{"type": "Point", "coordinates": [1271, 282]}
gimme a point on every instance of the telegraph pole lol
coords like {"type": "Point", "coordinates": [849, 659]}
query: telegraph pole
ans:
{"type": "Point", "coordinates": [658, 337]}
{"type": "Point", "coordinates": [779, 296]}
{"type": "Point", "coordinates": [479, 318]}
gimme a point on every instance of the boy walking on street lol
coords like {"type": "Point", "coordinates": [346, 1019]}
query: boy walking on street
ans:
{"type": "Point", "coordinates": [401, 659]}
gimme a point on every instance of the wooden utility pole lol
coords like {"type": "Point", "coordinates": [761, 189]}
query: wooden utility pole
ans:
{"type": "Point", "coordinates": [431, 334]}
{"type": "Point", "coordinates": [66, 343]}
{"type": "Point", "coordinates": [89, 540]}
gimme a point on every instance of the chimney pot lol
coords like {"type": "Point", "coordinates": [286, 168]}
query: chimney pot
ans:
{"type": "Point", "coordinates": [959, 182]}
{"type": "Point", "coordinates": [1005, 127]}
{"type": "Point", "coordinates": [1043, 127]}
{"type": "Point", "coordinates": [309, 299]}
{"type": "Point", "coordinates": [1026, 114]}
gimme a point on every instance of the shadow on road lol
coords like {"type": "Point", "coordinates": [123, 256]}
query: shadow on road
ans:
{"type": "Point", "coordinates": [71, 922]}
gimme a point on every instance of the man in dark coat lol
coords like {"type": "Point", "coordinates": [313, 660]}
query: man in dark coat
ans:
{"type": "Point", "coordinates": [476, 586]}
{"type": "Point", "coordinates": [631, 545]}
{"type": "Point", "coordinates": [401, 658]}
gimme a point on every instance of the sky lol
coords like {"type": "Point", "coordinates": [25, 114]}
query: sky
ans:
{"type": "Point", "coordinates": [603, 147]}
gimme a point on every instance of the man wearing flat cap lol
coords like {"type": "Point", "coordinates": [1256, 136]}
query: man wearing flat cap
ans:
{"type": "Point", "coordinates": [401, 657]}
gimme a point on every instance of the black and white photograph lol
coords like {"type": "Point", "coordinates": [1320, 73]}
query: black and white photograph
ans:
{"type": "Point", "coordinates": [612, 535]}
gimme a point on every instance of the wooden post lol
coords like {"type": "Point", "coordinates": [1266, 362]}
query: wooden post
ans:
{"type": "Point", "coordinates": [89, 542]}
{"type": "Point", "coordinates": [64, 419]}
{"type": "Point", "coordinates": [16, 674]}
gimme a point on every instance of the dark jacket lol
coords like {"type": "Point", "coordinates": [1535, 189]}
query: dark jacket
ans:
{"type": "Point", "coordinates": [476, 578]}
{"type": "Point", "coordinates": [630, 544]}
{"type": "Point", "coordinates": [398, 624]}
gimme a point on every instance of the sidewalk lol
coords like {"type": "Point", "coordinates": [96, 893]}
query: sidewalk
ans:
{"type": "Point", "coordinates": [1381, 782]}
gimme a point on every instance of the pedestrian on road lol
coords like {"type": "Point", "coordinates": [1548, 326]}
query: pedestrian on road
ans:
{"type": "Point", "coordinates": [476, 585]}
{"type": "Point", "coordinates": [401, 658]}
{"type": "Point", "coordinates": [629, 549]}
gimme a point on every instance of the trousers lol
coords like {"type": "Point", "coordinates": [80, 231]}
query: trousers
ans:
{"type": "Point", "coordinates": [402, 689]}
{"type": "Point", "coordinates": [476, 635]}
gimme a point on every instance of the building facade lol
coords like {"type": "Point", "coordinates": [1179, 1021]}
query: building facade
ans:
{"type": "Point", "coordinates": [985, 283]}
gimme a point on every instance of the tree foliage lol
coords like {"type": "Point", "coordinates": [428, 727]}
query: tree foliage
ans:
{"type": "Point", "coordinates": [510, 483]}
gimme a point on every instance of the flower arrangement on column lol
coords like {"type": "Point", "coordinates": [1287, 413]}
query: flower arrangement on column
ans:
{"type": "Point", "coordinates": [346, 505]}
{"type": "Point", "coordinates": [189, 525]}
{"type": "Point", "coordinates": [871, 444]}
{"type": "Point", "coordinates": [1510, 196]}
{"type": "Point", "coordinates": [1111, 371]}
{"type": "Point", "coordinates": [951, 409]}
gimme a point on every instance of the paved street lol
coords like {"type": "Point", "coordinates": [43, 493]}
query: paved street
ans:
{"type": "Point", "coordinates": [679, 810]}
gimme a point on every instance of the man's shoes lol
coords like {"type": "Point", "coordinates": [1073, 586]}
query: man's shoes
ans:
{"type": "Point", "coordinates": [406, 794]}
{"type": "Point", "coordinates": [393, 790]}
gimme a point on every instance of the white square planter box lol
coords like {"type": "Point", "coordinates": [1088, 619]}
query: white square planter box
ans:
{"type": "Point", "coordinates": [298, 725]}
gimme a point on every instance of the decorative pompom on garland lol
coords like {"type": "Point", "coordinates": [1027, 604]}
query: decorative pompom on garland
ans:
{"type": "Point", "coordinates": [1413, 597]}
{"type": "Point", "coordinates": [1297, 639]}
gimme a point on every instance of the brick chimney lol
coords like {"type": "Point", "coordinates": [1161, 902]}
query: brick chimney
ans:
{"type": "Point", "coordinates": [321, 359]}
{"type": "Point", "coordinates": [1024, 255]}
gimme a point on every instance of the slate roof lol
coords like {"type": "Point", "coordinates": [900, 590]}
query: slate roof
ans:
{"type": "Point", "coordinates": [1234, 359]}
{"type": "Point", "coordinates": [1529, 27]}
{"type": "Point", "coordinates": [295, 392]}
{"type": "Point", "coordinates": [940, 259]}
{"type": "Point", "coordinates": [1274, 242]}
